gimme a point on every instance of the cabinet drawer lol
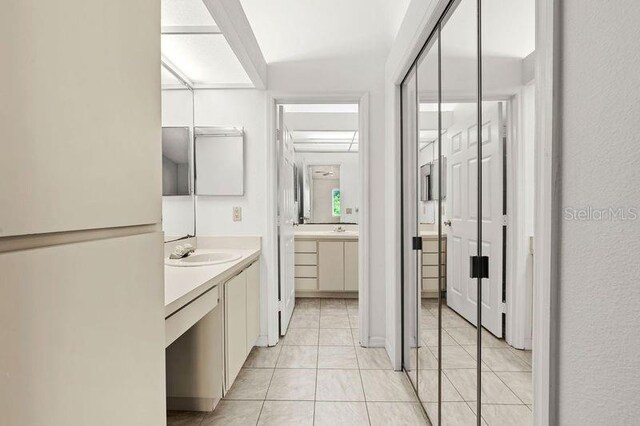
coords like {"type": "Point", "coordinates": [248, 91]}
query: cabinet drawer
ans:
{"type": "Point", "coordinates": [432, 271]}
{"type": "Point", "coordinates": [182, 320]}
{"type": "Point", "coordinates": [306, 271]}
{"type": "Point", "coordinates": [306, 246]}
{"type": "Point", "coordinates": [306, 259]}
{"type": "Point", "coordinates": [306, 284]}
{"type": "Point", "coordinates": [432, 259]}
{"type": "Point", "coordinates": [431, 284]}
{"type": "Point", "coordinates": [431, 245]}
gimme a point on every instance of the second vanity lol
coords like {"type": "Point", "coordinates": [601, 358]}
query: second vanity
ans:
{"type": "Point", "coordinates": [326, 260]}
{"type": "Point", "coordinates": [212, 319]}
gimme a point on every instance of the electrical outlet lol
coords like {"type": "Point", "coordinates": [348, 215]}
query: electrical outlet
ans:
{"type": "Point", "coordinates": [237, 214]}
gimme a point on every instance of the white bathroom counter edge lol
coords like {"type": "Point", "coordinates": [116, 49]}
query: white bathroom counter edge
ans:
{"type": "Point", "coordinates": [182, 285]}
{"type": "Point", "coordinates": [325, 235]}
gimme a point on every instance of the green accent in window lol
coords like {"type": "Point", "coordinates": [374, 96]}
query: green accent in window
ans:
{"type": "Point", "coordinates": [335, 197]}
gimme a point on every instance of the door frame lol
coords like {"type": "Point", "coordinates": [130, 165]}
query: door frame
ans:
{"type": "Point", "coordinates": [547, 203]}
{"type": "Point", "coordinates": [271, 240]}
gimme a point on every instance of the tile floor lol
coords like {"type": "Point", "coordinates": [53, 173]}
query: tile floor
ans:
{"type": "Point", "coordinates": [319, 375]}
{"type": "Point", "coordinates": [506, 379]}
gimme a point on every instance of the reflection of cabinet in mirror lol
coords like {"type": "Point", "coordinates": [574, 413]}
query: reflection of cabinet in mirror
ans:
{"type": "Point", "coordinates": [219, 153]}
{"type": "Point", "coordinates": [430, 265]}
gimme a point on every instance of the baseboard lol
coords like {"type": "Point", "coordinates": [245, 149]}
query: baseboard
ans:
{"type": "Point", "coordinates": [182, 403]}
{"type": "Point", "coordinates": [263, 340]}
{"type": "Point", "coordinates": [377, 342]}
{"type": "Point", "coordinates": [327, 294]}
{"type": "Point", "coordinates": [397, 364]}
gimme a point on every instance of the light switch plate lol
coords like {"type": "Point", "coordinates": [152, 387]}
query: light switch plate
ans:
{"type": "Point", "coordinates": [237, 214]}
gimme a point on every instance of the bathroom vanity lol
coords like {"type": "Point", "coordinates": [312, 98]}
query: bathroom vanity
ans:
{"type": "Point", "coordinates": [212, 319]}
{"type": "Point", "coordinates": [326, 262]}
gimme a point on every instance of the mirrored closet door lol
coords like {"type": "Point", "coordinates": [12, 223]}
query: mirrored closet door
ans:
{"type": "Point", "coordinates": [467, 142]}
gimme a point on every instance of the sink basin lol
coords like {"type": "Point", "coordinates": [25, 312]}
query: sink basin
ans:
{"type": "Point", "coordinates": [203, 258]}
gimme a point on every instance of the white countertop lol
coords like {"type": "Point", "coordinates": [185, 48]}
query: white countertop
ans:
{"type": "Point", "coordinates": [183, 284]}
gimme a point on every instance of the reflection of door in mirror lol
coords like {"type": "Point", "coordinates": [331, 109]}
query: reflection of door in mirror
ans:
{"type": "Point", "coordinates": [325, 200]}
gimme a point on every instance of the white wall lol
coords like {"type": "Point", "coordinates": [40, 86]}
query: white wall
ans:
{"type": "Point", "coordinates": [349, 177]}
{"type": "Point", "coordinates": [353, 75]}
{"type": "Point", "coordinates": [241, 108]}
{"type": "Point", "coordinates": [598, 374]}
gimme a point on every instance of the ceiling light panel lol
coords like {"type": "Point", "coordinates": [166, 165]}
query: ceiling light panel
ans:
{"type": "Point", "coordinates": [319, 108]}
{"type": "Point", "coordinates": [204, 59]}
{"type": "Point", "coordinates": [322, 147]}
{"type": "Point", "coordinates": [306, 135]}
{"type": "Point", "coordinates": [185, 13]}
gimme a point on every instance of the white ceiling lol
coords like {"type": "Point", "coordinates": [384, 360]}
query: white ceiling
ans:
{"type": "Point", "coordinates": [508, 29]}
{"type": "Point", "coordinates": [294, 30]}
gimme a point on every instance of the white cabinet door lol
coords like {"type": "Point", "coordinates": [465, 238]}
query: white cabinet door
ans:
{"type": "Point", "coordinates": [80, 143]}
{"type": "Point", "coordinates": [235, 306]}
{"type": "Point", "coordinates": [331, 265]}
{"type": "Point", "coordinates": [84, 322]}
{"type": "Point", "coordinates": [253, 304]}
{"type": "Point", "coordinates": [351, 265]}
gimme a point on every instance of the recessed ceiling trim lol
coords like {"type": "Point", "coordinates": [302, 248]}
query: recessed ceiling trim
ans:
{"type": "Point", "coordinates": [233, 22]}
{"type": "Point", "coordinates": [223, 86]}
{"type": "Point", "coordinates": [167, 65]}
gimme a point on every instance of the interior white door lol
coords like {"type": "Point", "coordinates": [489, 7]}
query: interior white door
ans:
{"type": "Point", "coordinates": [462, 208]}
{"type": "Point", "coordinates": [287, 216]}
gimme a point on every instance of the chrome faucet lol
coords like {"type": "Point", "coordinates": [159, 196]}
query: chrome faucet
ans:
{"type": "Point", "coordinates": [339, 229]}
{"type": "Point", "coordinates": [182, 251]}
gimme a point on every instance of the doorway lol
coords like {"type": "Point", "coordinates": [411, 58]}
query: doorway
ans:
{"type": "Point", "coordinates": [462, 122]}
{"type": "Point", "coordinates": [326, 138]}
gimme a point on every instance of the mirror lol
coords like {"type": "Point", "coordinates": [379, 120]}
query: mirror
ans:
{"type": "Point", "coordinates": [328, 193]}
{"type": "Point", "coordinates": [178, 201]}
{"type": "Point", "coordinates": [219, 155]}
{"type": "Point", "coordinates": [324, 194]}
{"type": "Point", "coordinates": [176, 164]}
